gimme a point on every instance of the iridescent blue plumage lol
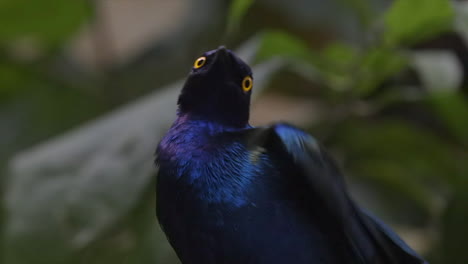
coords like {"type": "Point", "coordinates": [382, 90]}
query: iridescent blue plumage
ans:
{"type": "Point", "coordinates": [231, 193]}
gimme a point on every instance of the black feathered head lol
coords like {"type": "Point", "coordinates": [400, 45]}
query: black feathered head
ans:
{"type": "Point", "coordinates": [218, 89]}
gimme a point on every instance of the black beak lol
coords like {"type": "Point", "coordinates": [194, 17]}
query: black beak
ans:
{"type": "Point", "coordinates": [222, 50]}
{"type": "Point", "coordinates": [223, 57]}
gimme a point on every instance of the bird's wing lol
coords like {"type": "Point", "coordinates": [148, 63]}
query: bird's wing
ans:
{"type": "Point", "coordinates": [326, 181]}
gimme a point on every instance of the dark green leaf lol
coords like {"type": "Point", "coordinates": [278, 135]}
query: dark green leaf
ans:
{"type": "Point", "coordinates": [393, 175]}
{"type": "Point", "coordinates": [400, 155]}
{"type": "Point", "coordinates": [452, 108]}
{"type": "Point", "coordinates": [279, 43]}
{"type": "Point", "coordinates": [454, 233]}
{"type": "Point", "coordinates": [378, 65]}
{"type": "Point", "coordinates": [336, 62]}
{"type": "Point", "coordinates": [46, 22]}
{"type": "Point", "coordinates": [410, 21]}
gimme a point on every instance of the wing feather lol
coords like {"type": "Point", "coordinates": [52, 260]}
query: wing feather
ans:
{"type": "Point", "coordinates": [370, 239]}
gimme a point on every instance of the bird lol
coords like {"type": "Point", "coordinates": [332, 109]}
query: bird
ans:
{"type": "Point", "coordinates": [229, 192]}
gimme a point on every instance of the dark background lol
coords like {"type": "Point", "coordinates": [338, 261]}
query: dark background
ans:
{"type": "Point", "coordinates": [87, 88]}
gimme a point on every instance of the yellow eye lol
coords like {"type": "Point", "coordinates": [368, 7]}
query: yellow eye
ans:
{"type": "Point", "coordinates": [247, 84]}
{"type": "Point", "coordinates": [199, 62]}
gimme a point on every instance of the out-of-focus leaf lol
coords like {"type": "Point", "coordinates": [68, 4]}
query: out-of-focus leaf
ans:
{"type": "Point", "coordinates": [338, 58]}
{"type": "Point", "coordinates": [237, 11]}
{"type": "Point", "coordinates": [339, 66]}
{"type": "Point", "coordinates": [46, 21]}
{"type": "Point", "coordinates": [453, 111]}
{"type": "Point", "coordinates": [392, 175]}
{"type": "Point", "coordinates": [412, 21]}
{"type": "Point", "coordinates": [439, 70]}
{"type": "Point", "coordinates": [377, 65]}
{"type": "Point", "coordinates": [12, 78]}
{"type": "Point", "coordinates": [339, 54]}
{"type": "Point", "coordinates": [335, 63]}
{"type": "Point", "coordinates": [418, 158]}
{"type": "Point", "coordinates": [454, 234]}
{"type": "Point", "coordinates": [278, 43]}
{"type": "Point", "coordinates": [286, 46]}
{"type": "Point", "coordinates": [69, 193]}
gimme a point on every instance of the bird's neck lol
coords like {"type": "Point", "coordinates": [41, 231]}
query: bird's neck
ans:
{"type": "Point", "coordinates": [215, 109]}
{"type": "Point", "coordinates": [192, 133]}
{"type": "Point", "coordinates": [194, 141]}
{"type": "Point", "coordinates": [207, 124]}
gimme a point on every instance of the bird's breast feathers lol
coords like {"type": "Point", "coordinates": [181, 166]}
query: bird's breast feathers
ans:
{"type": "Point", "coordinates": [213, 174]}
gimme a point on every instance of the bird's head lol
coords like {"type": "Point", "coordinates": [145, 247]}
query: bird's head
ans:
{"type": "Point", "coordinates": [218, 89]}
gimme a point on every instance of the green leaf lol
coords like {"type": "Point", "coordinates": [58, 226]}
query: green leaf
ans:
{"type": "Point", "coordinates": [453, 233]}
{"type": "Point", "coordinates": [452, 109]}
{"type": "Point", "coordinates": [47, 21]}
{"type": "Point", "coordinates": [301, 60]}
{"type": "Point", "coordinates": [389, 174]}
{"type": "Point", "coordinates": [410, 21]}
{"type": "Point", "coordinates": [336, 62]}
{"type": "Point", "coordinates": [420, 154]}
{"type": "Point", "coordinates": [339, 54]}
{"type": "Point", "coordinates": [279, 43]}
{"type": "Point", "coordinates": [12, 78]}
{"type": "Point", "coordinates": [378, 65]}
{"type": "Point", "coordinates": [346, 68]}
{"type": "Point", "coordinates": [237, 11]}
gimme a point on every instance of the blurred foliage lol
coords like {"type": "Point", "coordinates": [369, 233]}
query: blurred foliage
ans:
{"type": "Point", "coordinates": [452, 109]}
{"type": "Point", "coordinates": [236, 11]}
{"type": "Point", "coordinates": [412, 21]}
{"type": "Point", "coordinates": [406, 140]}
{"type": "Point", "coordinates": [392, 132]}
{"type": "Point", "coordinates": [46, 23]}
